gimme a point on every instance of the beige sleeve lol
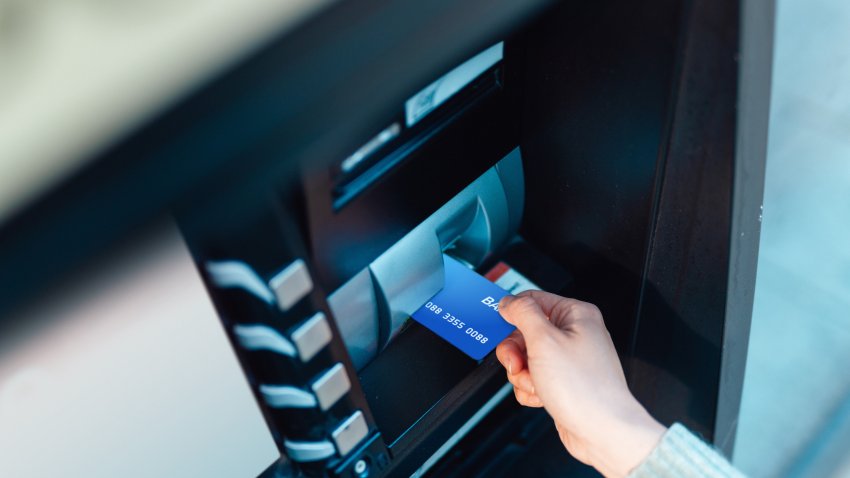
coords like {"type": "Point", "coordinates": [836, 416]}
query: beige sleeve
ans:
{"type": "Point", "coordinates": [681, 454]}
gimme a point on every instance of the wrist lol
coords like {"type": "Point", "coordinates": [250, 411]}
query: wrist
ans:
{"type": "Point", "coordinates": [629, 438]}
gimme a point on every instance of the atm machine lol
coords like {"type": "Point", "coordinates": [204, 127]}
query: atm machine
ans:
{"type": "Point", "coordinates": [609, 151]}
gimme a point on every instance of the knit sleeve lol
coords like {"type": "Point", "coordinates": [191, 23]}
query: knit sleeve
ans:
{"type": "Point", "coordinates": [681, 454]}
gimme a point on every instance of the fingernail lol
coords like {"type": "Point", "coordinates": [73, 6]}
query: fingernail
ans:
{"type": "Point", "coordinates": [505, 300]}
{"type": "Point", "coordinates": [510, 366]}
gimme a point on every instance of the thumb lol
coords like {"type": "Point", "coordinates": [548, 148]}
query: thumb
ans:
{"type": "Point", "coordinates": [525, 314]}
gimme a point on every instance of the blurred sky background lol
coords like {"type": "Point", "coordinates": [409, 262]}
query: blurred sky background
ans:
{"type": "Point", "coordinates": [795, 414]}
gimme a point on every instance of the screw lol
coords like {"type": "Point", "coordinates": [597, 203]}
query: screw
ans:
{"type": "Point", "coordinates": [361, 467]}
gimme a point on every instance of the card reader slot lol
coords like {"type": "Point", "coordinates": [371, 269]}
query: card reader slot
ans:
{"type": "Point", "coordinates": [373, 306]}
{"type": "Point", "coordinates": [411, 271]}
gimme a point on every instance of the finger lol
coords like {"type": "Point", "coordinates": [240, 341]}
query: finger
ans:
{"type": "Point", "coordinates": [522, 381]}
{"type": "Point", "coordinates": [518, 339]}
{"type": "Point", "coordinates": [527, 399]}
{"type": "Point", "coordinates": [562, 311]}
{"type": "Point", "coordinates": [510, 357]}
{"type": "Point", "coordinates": [525, 314]}
{"type": "Point", "coordinates": [512, 353]}
{"type": "Point", "coordinates": [547, 300]}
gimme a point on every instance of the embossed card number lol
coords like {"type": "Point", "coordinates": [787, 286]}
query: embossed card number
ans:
{"type": "Point", "coordinates": [466, 311]}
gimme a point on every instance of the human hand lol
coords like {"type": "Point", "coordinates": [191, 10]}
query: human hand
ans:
{"type": "Point", "coordinates": [561, 357]}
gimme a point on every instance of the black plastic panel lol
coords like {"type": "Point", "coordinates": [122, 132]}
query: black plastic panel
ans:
{"type": "Point", "coordinates": [599, 84]}
{"type": "Point", "coordinates": [677, 354]}
{"type": "Point", "coordinates": [629, 138]}
{"type": "Point", "coordinates": [431, 368]}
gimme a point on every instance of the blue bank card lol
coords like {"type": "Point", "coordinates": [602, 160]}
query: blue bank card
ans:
{"type": "Point", "coordinates": [465, 312]}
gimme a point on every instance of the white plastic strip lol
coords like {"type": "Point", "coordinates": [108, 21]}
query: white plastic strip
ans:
{"type": "Point", "coordinates": [262, 337]}
{"type": "Point", "coordinates": [237, 274]}
{"type": "Point", "coordinates": [309, 451]}
{"type": "Point", "coordinates": [285, 396]}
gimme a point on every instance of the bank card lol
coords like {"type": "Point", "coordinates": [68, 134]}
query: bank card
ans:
{"type": "Point", "coordinates": [465, 312]}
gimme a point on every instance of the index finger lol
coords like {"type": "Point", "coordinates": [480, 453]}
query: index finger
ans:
{"type": "Point", "coordinates": [549, 301]}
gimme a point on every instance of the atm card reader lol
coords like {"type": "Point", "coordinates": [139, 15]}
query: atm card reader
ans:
{"type": "Point", "coordinates": [372, 306]}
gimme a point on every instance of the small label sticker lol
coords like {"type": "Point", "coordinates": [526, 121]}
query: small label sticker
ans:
{"type": "Point", "coordinates": [440, 91]}
{"type": "Point", "coordinates": [509, 279]}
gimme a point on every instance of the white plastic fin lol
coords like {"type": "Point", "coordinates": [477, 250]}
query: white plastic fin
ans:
{"type": "Point", "coordinates": [263, 337]}
{"type": "Point", "coordinates": [304, 451]}
{"type": "Point", "coordinates": [285, 396]}
{"type": "Point", "coordinates": [237, 274]}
